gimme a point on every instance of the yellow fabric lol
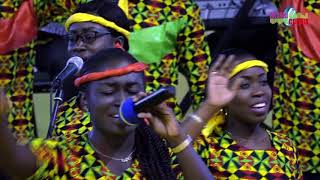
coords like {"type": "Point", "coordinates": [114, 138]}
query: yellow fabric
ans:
{"type": "Point", "coordinates": [123, 4]}
{"type": "Point", "coordinates": [248, 64]}
{"type": "Point", "coordinates": [84, 17]}
{"type": "Point", "coordinates": [218, 118]}
{"type": "Point", "coordinates": [213, 123]}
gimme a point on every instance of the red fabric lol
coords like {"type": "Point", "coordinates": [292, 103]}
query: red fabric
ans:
{"type": "Point", "coordinates": [19, 30]}
{"type": "Point", "coordinates": [307, 36]}
{"type": "Point", "coordinates": [118, 45]}
{"type": "Point", "coordinates": [135, 67]}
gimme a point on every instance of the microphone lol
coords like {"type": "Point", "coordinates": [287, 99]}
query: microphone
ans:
{"type": "Point", "coordinates": [129, 110]}
{"type": "Point", "coordinates": [73, 66]}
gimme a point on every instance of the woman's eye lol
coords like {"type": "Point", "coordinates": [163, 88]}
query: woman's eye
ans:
{"type": "Point", "coordinates": [133, 92]}
{"type": "Point", "coordinates": [244, 85]}
{"type": "Point", "coordinates": [89, 37]}
{"type": "Point", "coordinates": [107, 92]}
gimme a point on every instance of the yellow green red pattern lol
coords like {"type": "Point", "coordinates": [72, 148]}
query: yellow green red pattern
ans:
{"type": "Point", "coordinates": [228, 160]}
{"type": "Point", "coordinates": [16, 71]}
{"type": "Point", "coordinates": [192, 56]}
{"type": "Point", "coordinates": [296, 103]}
{"type": "Point", "coordinates": [74, 158]}
{"type": "Point", "coordinates": [72, 120]}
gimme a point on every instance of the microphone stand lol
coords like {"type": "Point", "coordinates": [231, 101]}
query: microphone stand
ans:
{"type": "Point", "coordinates": [57, 86]}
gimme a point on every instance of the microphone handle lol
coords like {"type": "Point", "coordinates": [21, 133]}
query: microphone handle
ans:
{"type": "Point", "coordinates": [155, 98]}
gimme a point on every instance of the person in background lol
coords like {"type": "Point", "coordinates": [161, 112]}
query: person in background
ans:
{"type": "Point", "coordinates": [112, 150]}
{"type": "Point", "coordinates": [235, 144]}
{"type": "Point", "coordinates": [71, 120]}
{"type": "Point", "coordinates": [191, 55]}
{"type": "Point", "coordinates": [86, 38]}
{"type": "Point", "coordinates": [19, 21]}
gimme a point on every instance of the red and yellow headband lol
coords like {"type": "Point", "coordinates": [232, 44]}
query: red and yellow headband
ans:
{"type": "Point", "coordinates": [135, 67]}
{"type": "Point", "coordinates": [85, 17]}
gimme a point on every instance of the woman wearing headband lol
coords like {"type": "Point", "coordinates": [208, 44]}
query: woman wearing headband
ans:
{"type": "Point", "coordinates": [234, 143]}
{"type": "Point", "coordinates": [20, 21]}
{"type": "Point", "coordinates": [93, 26]}
{"type": "Point", "coordinates": [112, 150]}
{"type": "Point", "coordinates": [190, 56]}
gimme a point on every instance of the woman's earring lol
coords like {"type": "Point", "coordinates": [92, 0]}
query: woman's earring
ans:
{"type": "Point", "coordinates": [223, 112]}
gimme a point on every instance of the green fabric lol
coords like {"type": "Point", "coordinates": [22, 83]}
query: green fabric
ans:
{"type": "Point", "coordinates": [150, 45]}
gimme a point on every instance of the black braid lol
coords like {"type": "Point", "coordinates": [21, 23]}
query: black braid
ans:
{"type": "Point", "coordinates": [153, 155]}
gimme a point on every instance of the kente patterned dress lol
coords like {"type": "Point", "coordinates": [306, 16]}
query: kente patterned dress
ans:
{"type": "Point", "coordinates": [297, 93]}
{"type": "Point", "coordinates": [228, 160]}
{"type": "Point", "coordinates": [192, 57]}
{"type": "Point", "coordinates": [17, 54]}
{"type": "Point", "coordinates": [74, 158]}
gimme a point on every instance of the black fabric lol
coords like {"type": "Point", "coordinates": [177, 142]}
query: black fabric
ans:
{"type": "Point", "coordinates": [311, 176]}
{"type": "Point", "coordinates": [51, 58]}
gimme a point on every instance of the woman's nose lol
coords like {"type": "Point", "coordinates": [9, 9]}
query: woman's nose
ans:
{"type": "Point", "coordinates": [121, 97]}
{"type": "Point", "coordinates": [258, 91]}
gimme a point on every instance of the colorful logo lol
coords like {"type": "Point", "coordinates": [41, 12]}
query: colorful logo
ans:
{"type": "Point", "coordinates": [289, 17]}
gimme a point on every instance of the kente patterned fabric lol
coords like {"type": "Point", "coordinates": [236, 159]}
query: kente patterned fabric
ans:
{"type": "Point", "coordinates": [296, 92]}
{"type": "Point", "coordinates": [16, 71]}
{"type": "Point", "coordinates": [192, 57]}
{"type": "Point", "coordinates": [74, 158]}
{"type": "Point", "coordinates": [228, 160]}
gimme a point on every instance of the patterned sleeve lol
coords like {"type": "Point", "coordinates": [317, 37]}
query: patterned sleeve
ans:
{"type": "Point", "coordinates": [202, 147]}
{"type": "Point", "coordinates": [54, 10]}
{"type": "Point", "coordinates": [194, 53]}
{"type": "Point", "coordinates": [48, 158]}
{"type": "Point", "coordinates": [298, 169]}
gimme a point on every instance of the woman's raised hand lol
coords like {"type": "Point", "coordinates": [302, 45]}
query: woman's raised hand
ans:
{"type": "Point", "coordinates": [220, 90]}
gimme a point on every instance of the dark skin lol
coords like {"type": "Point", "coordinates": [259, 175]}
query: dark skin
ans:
{"type": "Point", "coordinates": [246, 98]}
{"type": "Point", "coordinates": [81, 49]}
{"type": "Point", "coordinates": [85, 50]}
{"type": "Point", "coordinates": [219, 93]}
{"type": "Point", "coordinates": [109, 135]}
{"type": "Point", "coordinates": [249, 109]}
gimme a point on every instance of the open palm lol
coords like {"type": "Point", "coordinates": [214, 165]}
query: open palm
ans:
{"type": "Point", "coordinates": [220, 90]}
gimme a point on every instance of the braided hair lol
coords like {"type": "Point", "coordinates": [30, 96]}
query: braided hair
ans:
{"type": "Point", "coordinates": [153, 155]}
{"type": "Point", "coordinates": [151, 151]}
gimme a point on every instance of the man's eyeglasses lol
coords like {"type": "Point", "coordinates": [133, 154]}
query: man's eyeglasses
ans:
{"type": "Point", "coordinates": [86, 37]}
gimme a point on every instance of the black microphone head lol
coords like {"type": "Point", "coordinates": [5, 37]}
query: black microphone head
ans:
{"type": "Point", "coordinates": [129, 110]}
{"type": "Point", "coordinates": [77, 61]}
